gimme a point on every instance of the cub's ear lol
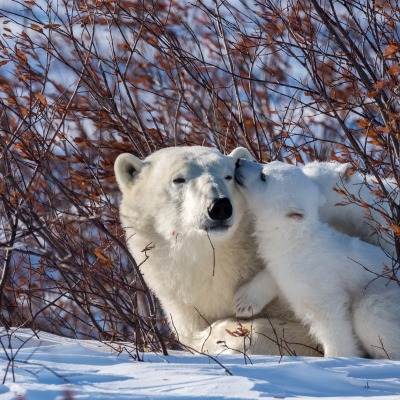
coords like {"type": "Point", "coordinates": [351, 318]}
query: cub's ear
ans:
{"type": "Point", "coordinates": [346, 171]}
{"type": "Point", "coordinates": [126, 167]}
{"type": "Point", "coordinates": [241, 152]}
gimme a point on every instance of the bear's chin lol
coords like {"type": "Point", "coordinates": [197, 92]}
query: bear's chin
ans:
{"type": "Point", "coordinates": [218, 231]}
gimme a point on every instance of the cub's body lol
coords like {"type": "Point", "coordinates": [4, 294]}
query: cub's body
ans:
{"type": "Point", "coordinates": [329, 279]}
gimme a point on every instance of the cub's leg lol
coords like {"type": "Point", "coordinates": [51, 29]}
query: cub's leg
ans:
{"type": "Point", "coordinates": [254, 295]}
{"type": "Point", "coordinates": [376, 317]}
{"type": "Point", "coordinates": [334, 331]}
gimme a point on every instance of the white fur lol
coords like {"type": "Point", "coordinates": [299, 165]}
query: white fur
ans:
{"type": "Point", "coordinates": [171, 221]}
{"type": "Point", "coordinates": [346, 214]}
{"type": "Point", "coordinates": [331, 281]}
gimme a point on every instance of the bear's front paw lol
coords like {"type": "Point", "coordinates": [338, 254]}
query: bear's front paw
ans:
{"type": "Point", "coordinates": [247, 304]}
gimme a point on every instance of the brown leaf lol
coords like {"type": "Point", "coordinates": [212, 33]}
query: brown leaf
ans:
{"type": "Point", "coordinates": [392, 49]}
{"type": "Point", "coordinates": [2, 186]}
{"type": "Point", "coordinates": [20, 54]}
{"type": "Point", "coordinates": [52, 26]}
{"type": "Point", "coordinates": [364, 204]}
{"type": "Point", "coordinates": [234, 334]}
{"type": "Point", "coordinates": [394, 70]}
{"type": "Point", "coordinates": [100, 254]}
{"type": "Point", "coordinates": [377, 192]}
{"type": "Point", "coordinates": [395, 229]}
{"type": "Point", "coordinates": [384, 129]}
{"type": "Point", "coordinates": [298, 158]}
{"type": "Point", "coordinates": [36, 28]}
{"type": "Point", "coordinates": [241, 331]}
{"type": "Point", "coordinates": [373, 93]}
{"type": "Point", "coordinates": [363, 123]}
{"type": "Point", "coordinates": [342, 192]}
{"type": "Point", "coordinates": [41, 98]}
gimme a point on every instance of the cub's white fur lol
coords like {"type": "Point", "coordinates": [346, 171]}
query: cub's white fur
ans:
{"type": "Point", "coordinates": [331, 281]}
{"type": "Point", "coordinates": [350, 217]}
{"type": "Point", "coordinates": [192, 262]}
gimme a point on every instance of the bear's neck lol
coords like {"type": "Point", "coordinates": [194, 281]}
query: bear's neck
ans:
{"type": "Point", "coordinates": [196, 277]}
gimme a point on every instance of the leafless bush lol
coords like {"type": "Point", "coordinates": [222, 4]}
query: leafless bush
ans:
{"type": "Point", "coordinates": [82, 81]}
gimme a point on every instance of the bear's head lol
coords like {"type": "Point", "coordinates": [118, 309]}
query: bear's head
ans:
{"type": "Point", "coordinates": [181, 191]}
{"type": "Point", "coordinates": [277, 190]}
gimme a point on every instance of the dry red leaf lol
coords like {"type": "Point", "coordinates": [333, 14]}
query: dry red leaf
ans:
{"type": "Point", "coordinates": [37, 28]}
{"type": "Point", "coordinates": [391, 49]}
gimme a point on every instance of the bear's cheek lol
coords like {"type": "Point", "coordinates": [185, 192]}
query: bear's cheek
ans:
{"type": "Point", "coordinates": [180, 211]}
{"type": "Point", "coordinates": [193, 211]}
{"type": "Point", "coordinates": [168, 213]}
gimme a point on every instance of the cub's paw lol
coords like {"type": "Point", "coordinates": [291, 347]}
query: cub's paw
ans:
{"type": "Point", "coordinates": [247, 304]}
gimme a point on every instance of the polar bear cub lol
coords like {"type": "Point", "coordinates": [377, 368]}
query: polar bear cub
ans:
{"type": "Point", "coordinates": [331, 281]}
{"type": "Point", "coordinates": [341, 185]}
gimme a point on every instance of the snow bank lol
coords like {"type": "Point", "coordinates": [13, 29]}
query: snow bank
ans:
{"type": "Point", "coordinates": [51, 367]}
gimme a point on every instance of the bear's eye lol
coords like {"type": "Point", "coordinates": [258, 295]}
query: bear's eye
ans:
{"type": "Point", "coordinates": [228, 177]}
{"type": "Point", "coordinates": [179, 180]}
{"type": "Point", "coordinates": [263, 177]}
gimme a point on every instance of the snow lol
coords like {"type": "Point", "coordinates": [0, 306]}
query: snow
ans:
{"type": "Point", "coordinates": [52, 367]}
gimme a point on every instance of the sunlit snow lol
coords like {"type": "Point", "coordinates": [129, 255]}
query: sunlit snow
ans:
{"type": "Point", "coordinates": [52, 367]}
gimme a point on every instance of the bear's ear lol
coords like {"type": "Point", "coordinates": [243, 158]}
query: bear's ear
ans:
{"type": "Point", "coordinates": [126, 167]}
{"type": "Point", "coordinates": [241, 152]}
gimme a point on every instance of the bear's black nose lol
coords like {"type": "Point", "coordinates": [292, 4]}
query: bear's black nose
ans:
{"type": "Point", "coordinates": [220, 209]}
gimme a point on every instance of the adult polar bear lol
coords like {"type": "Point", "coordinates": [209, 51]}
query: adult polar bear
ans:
{"type": "Point", "coordinates": [181, 205]}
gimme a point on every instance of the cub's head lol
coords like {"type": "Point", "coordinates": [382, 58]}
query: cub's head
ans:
{"type": "Point", "coordinates": [329, 172]}
{"type": "Point", "coordinates": [278, 190]}
{"type": "Point", "coordinates": [181, 191]}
